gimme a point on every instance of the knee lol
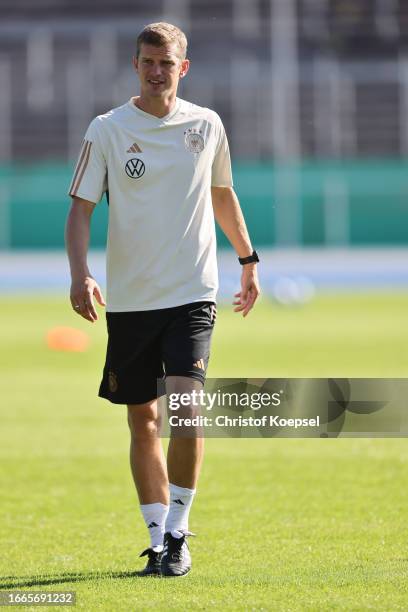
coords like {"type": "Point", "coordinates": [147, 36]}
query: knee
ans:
{"type": "Point", "coordinates": [143, 430]}
{"type": "Point", "coordinates": [143, 422]}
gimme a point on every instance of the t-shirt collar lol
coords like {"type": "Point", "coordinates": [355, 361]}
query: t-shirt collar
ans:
{"type": "Point", "coordinates": [139, 111]}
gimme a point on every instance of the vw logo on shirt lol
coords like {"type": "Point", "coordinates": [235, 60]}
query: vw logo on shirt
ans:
{"type": "Point", "coordinates": [135, 168]}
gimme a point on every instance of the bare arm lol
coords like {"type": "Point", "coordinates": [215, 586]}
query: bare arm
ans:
{"type": "Point", "coordinates": [229, 217]}
{"type": "Point", "coordinates": [83, 286]}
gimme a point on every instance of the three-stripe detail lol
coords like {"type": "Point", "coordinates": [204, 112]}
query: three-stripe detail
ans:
{"type": "Point", "coordinates": [80, 167]}
{"type": "Point", "coordinates": [199, 364]}
{"type": "Point", "coordinates": [213, 313]}
{"type": "Point", "coordinates": [134, 148]}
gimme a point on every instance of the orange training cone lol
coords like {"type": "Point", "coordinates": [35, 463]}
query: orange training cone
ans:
{"type": "Point", "coordinates": [67, 339]}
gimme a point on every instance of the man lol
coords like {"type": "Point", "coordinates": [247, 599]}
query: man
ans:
{"type": "Point", "coordinates": [165, 166]}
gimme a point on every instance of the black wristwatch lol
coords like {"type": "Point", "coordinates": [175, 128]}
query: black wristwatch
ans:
{"type": "Point", "coordinates": [251, 259]}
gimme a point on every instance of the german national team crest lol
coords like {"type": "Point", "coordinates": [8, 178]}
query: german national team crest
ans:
{"type": "Point", "coordinates": [113, 382]}
{"type": "Point", "coordinates": [194, 140]}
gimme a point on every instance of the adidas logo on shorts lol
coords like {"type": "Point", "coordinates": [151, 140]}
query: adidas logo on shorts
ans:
{"type": "Point", "coordinates": [199, 364]}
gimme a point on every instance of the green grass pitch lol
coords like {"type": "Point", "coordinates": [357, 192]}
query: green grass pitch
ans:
{"type": "Point", "coordinates": [282, 524]}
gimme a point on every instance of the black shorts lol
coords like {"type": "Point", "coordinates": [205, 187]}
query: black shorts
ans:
{"type": "Point", "coordinates": [148, 345]}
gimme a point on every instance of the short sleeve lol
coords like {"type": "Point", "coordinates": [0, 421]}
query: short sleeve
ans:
{"type": "Point", "coordinates": [90, 175]}
{"type": "Point", "coordinates": [221, 175]}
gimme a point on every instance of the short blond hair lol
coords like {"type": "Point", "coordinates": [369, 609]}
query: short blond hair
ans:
{"type": "Point", "coordinates": [160, 34]}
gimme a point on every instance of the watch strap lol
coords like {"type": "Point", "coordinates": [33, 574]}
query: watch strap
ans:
{"type": "Point", "coordinates": [251, 259]}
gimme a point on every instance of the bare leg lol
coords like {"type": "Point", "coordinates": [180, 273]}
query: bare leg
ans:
{"type": "Point", "coordinates": [147, 459]}
{"type": "Point", "coordinates": [185, 455]}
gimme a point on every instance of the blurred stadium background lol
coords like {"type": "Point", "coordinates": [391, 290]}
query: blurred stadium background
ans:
{"type": "Point", "coordinates": [314, 96]}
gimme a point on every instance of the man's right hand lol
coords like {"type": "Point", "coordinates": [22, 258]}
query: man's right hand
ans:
{"type": "Point", "coordinates": [82, 293]}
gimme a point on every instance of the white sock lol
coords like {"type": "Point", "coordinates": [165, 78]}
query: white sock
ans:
{"type": "Point", "coordinates": [180, 504]}
{"type": "Point", "coordinates": [155, 517]}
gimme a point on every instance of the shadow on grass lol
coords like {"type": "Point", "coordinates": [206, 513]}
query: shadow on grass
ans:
{"type": "Point", "coordinates": [16, 582]}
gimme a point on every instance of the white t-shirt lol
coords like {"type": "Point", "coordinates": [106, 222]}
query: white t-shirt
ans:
{"type": "Point", "coordinates": [158, 172]}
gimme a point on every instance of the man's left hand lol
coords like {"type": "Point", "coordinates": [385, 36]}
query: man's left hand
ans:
{"type": "Point", "coordinates": [246, 298]}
